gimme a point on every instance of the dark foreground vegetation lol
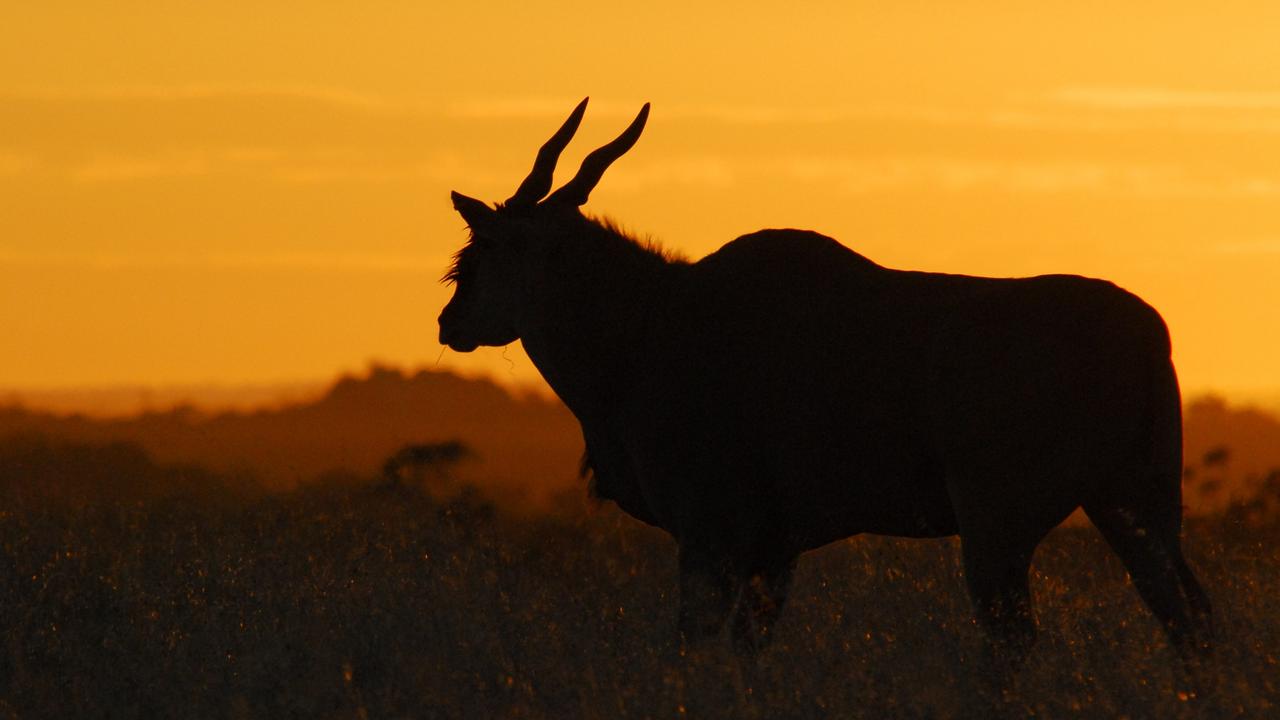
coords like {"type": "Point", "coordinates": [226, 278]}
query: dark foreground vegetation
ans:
{"type": "Point", "coordinates": [348, 599]}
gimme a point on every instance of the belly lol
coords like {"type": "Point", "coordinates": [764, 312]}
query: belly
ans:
{"type": "Point", "coordinates": [885, 488]}
{"type": "Point", "coordinates": [912, 514]}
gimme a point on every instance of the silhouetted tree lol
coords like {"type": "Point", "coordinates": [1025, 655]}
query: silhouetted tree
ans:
{"type": "Point", "coordinates": [414, 463]}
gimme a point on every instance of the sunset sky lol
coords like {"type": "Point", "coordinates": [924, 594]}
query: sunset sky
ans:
{"type": "Point", "coordinates": [241, 192]}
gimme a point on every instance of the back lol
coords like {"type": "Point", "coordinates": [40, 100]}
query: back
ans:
{"type": "Point", "coordinates": [790, 364]}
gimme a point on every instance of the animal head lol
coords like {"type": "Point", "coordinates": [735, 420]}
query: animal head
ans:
{"type": "Point", "coordinates": [492, 272]}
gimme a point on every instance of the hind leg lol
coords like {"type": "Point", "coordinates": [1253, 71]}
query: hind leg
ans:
{"type": "Point", "coordinates": [1148, 543]}
{"type": "Point", "coordinates": [1201, 609]}
{"type": "Point", "coordinates": [708, 587]}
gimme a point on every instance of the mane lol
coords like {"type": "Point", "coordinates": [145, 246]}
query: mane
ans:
{"type": "Point", "coordinates": [645, 249]}
{"type": "Point", "coordinates": [454, 270]}
{"type": "Point", "coordinates": [641, 246]}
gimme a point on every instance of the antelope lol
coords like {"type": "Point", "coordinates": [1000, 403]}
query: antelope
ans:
{"type": "Point", "coordinates": [785, 392]}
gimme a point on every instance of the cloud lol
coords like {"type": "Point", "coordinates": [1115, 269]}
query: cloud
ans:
{"type": "Point", "coordinates": [1260, 246]}
{"type": "Point", "coordinates": [309, 136]}
{"type": "Point", "coordinates": [856, 176]}
{"type": "Point", "coordinates": [312, 166]}
{"type": "Point", "coordinates": [949, 174]}
{"type": "Point", "coordinates": [288, 261]}
{"type": "Point", "coordinates": [1150, 98]}
{"type": "Point", "coordinates": [705, 171]}
{"type": "Point", "coordinates": [541, 108]}
{"type": "Point", "coordinates": [180, 93]}
{"type": "Point", "coordinates": [1025, 111]}
{"type": "Point", "coordinates": [116, 168]}
{"type": "Point", "coordinates": [14, 164]}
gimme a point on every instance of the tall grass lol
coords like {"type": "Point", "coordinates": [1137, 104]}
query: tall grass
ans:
{"type": "Point", "coordinates": [342, 602]}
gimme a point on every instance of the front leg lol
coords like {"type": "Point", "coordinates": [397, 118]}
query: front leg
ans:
{"type": "Point", "coordinates": [708, 588]}
{"type": "Point", "coordinates": [761, 598]}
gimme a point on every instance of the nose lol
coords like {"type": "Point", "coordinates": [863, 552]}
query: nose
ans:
{"type": "Point", "coordinates": [446, 332]}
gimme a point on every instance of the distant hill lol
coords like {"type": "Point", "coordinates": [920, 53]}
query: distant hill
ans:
{"type": "Point", "coordinates": [524, 447]}
{"type": "Point", "coordinates": [115, 401]}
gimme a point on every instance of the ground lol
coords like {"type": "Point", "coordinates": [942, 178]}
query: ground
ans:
{"type": "Point", "coordinates": [379, 602]}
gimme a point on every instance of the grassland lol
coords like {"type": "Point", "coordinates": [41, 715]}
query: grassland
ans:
{"type": "Point", "coordinates": [353, 602]}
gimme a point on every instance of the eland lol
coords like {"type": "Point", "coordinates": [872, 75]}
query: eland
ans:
{"type": "Point", "coordinates": [785, 392]}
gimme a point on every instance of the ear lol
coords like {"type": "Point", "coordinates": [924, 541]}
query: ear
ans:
{"type": "Point", "coordinates": [478, 215]}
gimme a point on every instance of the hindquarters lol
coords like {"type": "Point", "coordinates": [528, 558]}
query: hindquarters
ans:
{"type": "Point", "coordinates": [1059, 397]}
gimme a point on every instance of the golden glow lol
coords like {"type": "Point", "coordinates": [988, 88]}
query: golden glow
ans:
{"type": "Point", "coordinates": [247, 192]}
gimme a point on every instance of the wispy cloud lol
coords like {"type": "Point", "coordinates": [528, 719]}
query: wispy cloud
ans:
{"type": "Point", "coordinates": [540, 108]}
{"type": "Point", "coordinates": [12, 164]}
{"type": "Point", "coordinates": [855, 176]}
{"type": "Point", "coordinates": [519, 108]}
{"type": "Point", "coordinates": [1250, 247]}
{"type": "Point", "coordinates": [175, 93]}
{"type": "Point", "coordinates": [1152, 98]}
{"type": "Point", "coordinates": [1092, 109]}
{"type": "Point", "coordinates": [704, 171]}
{"type": "Point", "coordinates": [116, 168]}
{"type": "Point", "coordinates": [313, 166]}
{"type": "Point", "coordinates": [290, 261]}
{"type": "Point", "coordinates": [156, 141]}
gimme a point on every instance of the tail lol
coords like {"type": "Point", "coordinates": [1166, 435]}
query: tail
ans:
{"type": "Point", "coordinates": [1166, 431]}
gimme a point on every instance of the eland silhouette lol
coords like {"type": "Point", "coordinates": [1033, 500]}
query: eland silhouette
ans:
{"type": "Point", "coordinates": [785, 392]}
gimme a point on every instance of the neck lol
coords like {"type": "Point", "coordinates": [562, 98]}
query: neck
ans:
{"type": "Point", "coordinates": [591, 315]}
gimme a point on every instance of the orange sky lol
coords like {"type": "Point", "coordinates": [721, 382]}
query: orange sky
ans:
{"type": "Point", "coordinates": [253, 192]}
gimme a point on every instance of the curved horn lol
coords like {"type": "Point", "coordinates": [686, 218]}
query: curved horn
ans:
{"type": "Point", "coordinates": [538, 183]}
{"type": "Point", "coordinates": [576, 190]}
